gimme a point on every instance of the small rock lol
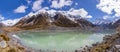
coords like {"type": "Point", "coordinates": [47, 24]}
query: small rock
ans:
{"type": "Point", "coordinates": [117, 46]}
{"type": "Point", "coordinates": [3, 44]}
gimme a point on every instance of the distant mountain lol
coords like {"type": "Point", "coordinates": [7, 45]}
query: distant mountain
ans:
{"type": "Point", "coordinates": [2, 25]}
{"type": "Point", "coordinates": [102, 24]}
{"type": "Point", "coordinates": [116, 23]}
{"type": "Point", "coordinates": [107, 24]}
{"type": "Point", "coordinates": [44, 20]}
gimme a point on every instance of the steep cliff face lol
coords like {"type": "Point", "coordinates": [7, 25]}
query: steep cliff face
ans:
{"type": "Point", "coordinates": [44, 21]}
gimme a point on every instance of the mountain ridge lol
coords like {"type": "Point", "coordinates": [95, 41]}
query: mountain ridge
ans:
{"type": "Point", "coordinates": [43, 20]}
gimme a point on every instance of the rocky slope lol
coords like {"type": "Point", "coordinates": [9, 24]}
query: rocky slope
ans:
{"type": "Point", "coordinates": [84, 23]}
{"type": "Point", "coordinates": [35, 21]}
{"type": "Point", "coordinates": [63, 21]}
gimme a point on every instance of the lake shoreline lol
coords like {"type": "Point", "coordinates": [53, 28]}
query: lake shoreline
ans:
{"type": "Point", "coordinates": [96, 47]}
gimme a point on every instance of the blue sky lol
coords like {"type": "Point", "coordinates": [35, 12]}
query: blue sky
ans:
{"type": "Point", "coordinates": [97, 9]}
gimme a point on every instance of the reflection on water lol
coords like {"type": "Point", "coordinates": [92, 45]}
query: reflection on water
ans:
{"type": "Point", "coordinates": [58, 40]}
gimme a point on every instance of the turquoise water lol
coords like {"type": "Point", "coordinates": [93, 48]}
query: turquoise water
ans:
{"type": "Point", "coordinates": [60, 40]}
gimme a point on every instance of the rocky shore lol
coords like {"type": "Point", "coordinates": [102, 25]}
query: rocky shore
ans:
{"type": "Point", "coordinates": [111, 43]}
{"type": "Point", "coordinates": [8, 45]}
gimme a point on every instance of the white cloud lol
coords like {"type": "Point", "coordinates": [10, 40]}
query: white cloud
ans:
{"type": "Point", "coordinates": [79, 12]}
{"type": "Point", "coordinates": [61, 3]}
{"type": "Point", "coordinates": [20, 9]}
{"type": "Point", "coordinates": [76, 3]}
{"type": "Point", "coordinates": [82, 13]}
{"type": "Point", "coordinates": [89, 16]}
{"type": "Point", "coordinates": [37, 5]}
{"type": "Point", "coordinates": [50, 0]}
{"type": "Point", "coordinates": [106, 17]}
{"type": "Point", "coordinates": [1, 18]}
{"type": "Point", "coordinates": [28, 1]}
{"type": "Point", "coordinates": [110, 6]}
{"type": "Point", "coordinates": [46, 8]}
{"type": "Point", "coordinates": [10, 22]}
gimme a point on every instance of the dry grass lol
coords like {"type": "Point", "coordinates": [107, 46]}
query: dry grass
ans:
{"type": "Point", "coordinates": [10, 29]}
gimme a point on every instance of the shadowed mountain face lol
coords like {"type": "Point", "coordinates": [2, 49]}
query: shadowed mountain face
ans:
{"type": "Point", "coordinates": [63, 21]}
{"type": "Point", "coordinates": [84, 23]}
{"type": "Point", "coordinates": [42, 20]}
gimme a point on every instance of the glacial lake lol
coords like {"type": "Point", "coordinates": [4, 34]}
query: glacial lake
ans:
{"type": "Point", "coordinates": [60, 40]}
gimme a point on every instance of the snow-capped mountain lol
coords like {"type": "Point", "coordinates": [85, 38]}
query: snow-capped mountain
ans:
{"type": "Point", "coordinates": [107, 23]}
{"type": "Point", "coordinates": [45, 20]}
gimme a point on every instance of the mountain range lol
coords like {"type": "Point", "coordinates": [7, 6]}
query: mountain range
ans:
{"type": "Point", "coordinates": [44, 20]}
